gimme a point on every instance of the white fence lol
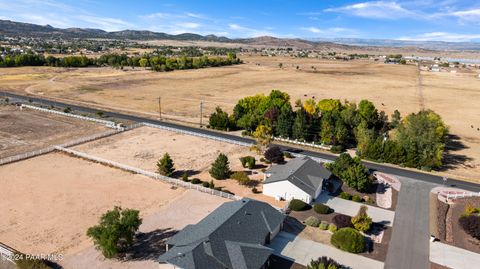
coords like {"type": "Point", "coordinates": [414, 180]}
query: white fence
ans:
{"type": "Point", "coordinates": [173, 181]}
{"type": "Point", "coordinates": [231, 141]}
{"type": "Point", "coordinates": [107, 123]}
{"type": "Point", "coordinates": [296, 142]}
{"type": "Point", "coordinates": [7, 252]}
{"type": "Point", "coordinates": [462, 195]}
{"type": "Point", "coordinates": [27, 155]}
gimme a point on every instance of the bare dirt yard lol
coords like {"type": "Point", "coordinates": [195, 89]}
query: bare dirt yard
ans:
{"type": "Point", "coordinates": [48, 202]}
{"type": "Point", "coordinates": [390, 87]}
{"type": "Point", "coordinates": [26, 130]}
{"type": "Point", "coordinates": [143, 147]}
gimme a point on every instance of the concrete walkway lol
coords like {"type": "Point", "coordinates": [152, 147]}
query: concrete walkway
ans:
{"type": "Point", "coordinates": [351, 208]}
{"type": "Point", "coordinates": [453, 257]}
{"type": "Point", "coordinates": [302, 251]}
{"type": "Point", "coordinates": [408, 246]}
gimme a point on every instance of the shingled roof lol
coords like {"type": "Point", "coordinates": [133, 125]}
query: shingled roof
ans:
{"type": "Point", "coordinates": [232, 236]}
{"type": "Point", "coordinates": [303, 172]}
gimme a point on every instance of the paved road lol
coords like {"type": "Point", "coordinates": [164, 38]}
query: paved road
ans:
{"type": "Point", "coordinates": [409, 246]}
{"type": "Point", "coordinates": [374, 166]}
{"type": "Point", "coordinates": [302, 251]}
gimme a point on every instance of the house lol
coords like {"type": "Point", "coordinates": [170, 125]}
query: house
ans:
{"type": "Point", "coordinates": [233, 236]}
{"type": "Point", "coordinates": [300, 178]}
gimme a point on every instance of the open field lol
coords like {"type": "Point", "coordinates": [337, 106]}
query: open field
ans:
{"type": "Point", "coordinates": [143, 147]}
{"type": "Point", "coordinates": [48, 202]}
{"type": "Point", "coordinates": [390, 87]}
{"type": "Point", "coordinates": [26, 130]}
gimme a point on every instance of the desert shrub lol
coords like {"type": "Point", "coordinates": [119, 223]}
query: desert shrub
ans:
{"type": "Point", "coordinates": [323, 225]}
{"type": "Point", "coordinates": [196, 181]}
{"type": "Point", "coordinates": [357, 198]}
{"type": "Point", "coordinates": [220, 167]}
{"type": "Point", "coordinates": [262, 159]}
{"type": "Point", "coordinates": [332, 228]}
{"type": "Point", "coordinates": [255, 190]}
{"type": "Point", "coordinates": [211, 185]}
{"type": "Point", "coordinates": [185, 177]}
{"type": "Point", "coordinates": [362, 221]}
{"type": "Point", "coordinates": [348, 239]}
{"type": "Point", "coordinates": [469, 210]}
{"type": "Point", "coordinates": [67, 110]}
{"type": "Point", "coordinates": [342, 221]}
{"type": "Point", "coordinates": [312, 221]}
{"type": "Point", "coordinates": [274, 154]}
{"type": "Point", "coordinates": [298, 205]}
{"type": "Point", "coordinates": [115, 232]}
{"type": "Point", "coordinates": [471, 225]}
{"type": "Point", "coordinates": [322, 209]}
{"type": "Point", "coordinates": [345, 195]}
{"type": "Point", "coordinates": [241, 177]}
{"type": "Point", "coordinates": [324, 263]}
{"type": "Point", "coordinates": [205, 184]}
{"type": "Point", "coordinates": [24, 262]}
{"type": "Point", "coordinates": [248, 162]}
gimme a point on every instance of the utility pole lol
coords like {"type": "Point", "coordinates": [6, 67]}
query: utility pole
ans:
{"type": "Point", "coordinates": [201, 113]}
{"type": "Point", "coordinates": [160, 107]}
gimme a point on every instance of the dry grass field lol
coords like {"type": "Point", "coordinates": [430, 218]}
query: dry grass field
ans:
{"type": "Point", "coordinates": [454, 96]}
{"type": "Point", "coordinates": [26, 130]}
{"type": "Point", "coordinates": [48, 202]}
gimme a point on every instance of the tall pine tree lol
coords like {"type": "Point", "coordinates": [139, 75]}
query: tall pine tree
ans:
{"type": "Point", "coordinates": [299, 125]}
{"type": "Point", "coordinates": [165, 165]}
{"type": "Point", "coordinates": [220, 168]}
{"type": "Point", "coordinates": [285, 122]}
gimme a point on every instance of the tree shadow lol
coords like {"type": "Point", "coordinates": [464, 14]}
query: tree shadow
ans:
{"type": "Point", "coordinates": [451, 159]}
{"type": "Point", "coordinates": [150, 245]}
{"type": "Point", "coordinates": [179, 173]}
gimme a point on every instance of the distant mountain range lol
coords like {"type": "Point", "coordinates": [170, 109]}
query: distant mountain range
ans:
{"type": "Point", "coordinates": [20, 29]}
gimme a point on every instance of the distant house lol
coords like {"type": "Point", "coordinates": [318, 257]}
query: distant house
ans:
{"type": "Point", "coordinates": [231, 237]}
{"type": "Point", "coordinates": [300, 178]}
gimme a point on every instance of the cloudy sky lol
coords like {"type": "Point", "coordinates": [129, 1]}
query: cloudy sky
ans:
{"type": "Point", "coordinates": [424, 20]}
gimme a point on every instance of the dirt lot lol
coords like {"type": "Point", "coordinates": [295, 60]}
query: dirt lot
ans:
{"type": "Point", "coordinates": [390, 87]}
{"type": "Point", "coordinates": [144, 146]}
{"type": "Point", "coordinates": [27, 130]}
{"type": "Point", "coordinates": [48, 202]}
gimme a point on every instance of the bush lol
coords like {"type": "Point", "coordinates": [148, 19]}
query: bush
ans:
{"type": "Point", "coordinates": [24, 262]}
{"type": "Point", "coordinates": [345, 195]}
{"type": "Point", "coordinates": [115, 231]}
{"type": "Point", "coordinates": [348, 239]}
{"type": "Point", "coordinates": [362, 221]}
{"type": "Point", "coordinates": [205, 184]}
{"type": "Point", "coordinates": [332, 228]}
{"type": "Point", "coordinates": [312, 221]}
{"type": "Point", "coordinates": [255, 190]}
{"type": "Point", "coordinates": [322, 209]}
{"type": "Point", "coordinates": [323, 225]}
{"type": "Point", "coordinates": [241, 177]}
{"type": "Point", "coordinates": [298, 205]}
{"type": "Point", "coordinates": [67, 110]}
{"type": "Point", "coordinates": [211, 185]}
{"type": "Point", "coordinates": [274, 155]}
{"type": "Point", "coordinates": [471, 225]}
{"type": "Point", "coordinates": [324, 263]}
{"type": "Point", "coordinates": [248, 162]}
{"type": "Point", "coordinates": [357, 198]}
{"type": "Point", "coordinates": [196, 181]}
{"type": "Point", "coordinates": [220, 120]}
{"type": "Point", "coordinates": [337, 149]}
{"type": "Point", "coordinates": [185, 177]}
{"type": "Point", "coordinates": [220, 167]}
{"type": "Point", "coordinates": [342, 221]}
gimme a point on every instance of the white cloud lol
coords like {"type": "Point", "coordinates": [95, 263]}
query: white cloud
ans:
{"type": "Point", "coordinates": [188, 25]}
{"type": "Point", "coordinates": [249, 32]}
{"type": "Point", "coordinates": [105, 23]}
{"type": "Point", "coordinates": [442, 36]}
{"type": "Point", "coordinates": [330, 32]}
{"type": "Point", "coordinates": [375, 9]}
{"type": "Point", "coordinates": [464, 15]}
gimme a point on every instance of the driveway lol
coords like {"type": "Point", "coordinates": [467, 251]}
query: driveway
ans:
{"type": "Point", "coordinates": [351, 208]}
{"type": "Point", "coordinates": [302, 251]}
{"type": "Point", "coordinates": [453, 257]}
{"type": "Point", "coordinates": [409, 245]}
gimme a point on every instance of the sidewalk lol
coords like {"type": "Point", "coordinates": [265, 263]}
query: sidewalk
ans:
{"type": "Point", "coordinates": [453, 257]}
{"type": "Point", "coordinates": [351, 208]}
{"type": "Point", "coordinates": [302, 251]}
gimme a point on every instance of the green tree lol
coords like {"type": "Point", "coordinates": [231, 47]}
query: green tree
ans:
{"type": "Point", "coordinates": [396, 118]}
{"type": "Point", "coordinates": [299, 128]}
{"type": "Point", "coordinates": [220, 167]}
{"type": "Point", "coordinates": [219, 120]}
{"type": "Point", "coordinates": [143, 62]}
{"type": "Point", "coordinates": [368, 113]}
{"type": "Point", "coordinates": [263, 135]}
{"type": "Point", "coordinates": [285, 122]}
{"type": "Point", "coordinates": [328, 105]}
{"type": "Point", "coordinates": [362, 222]}
{"type": "Point", "coordinates": [115, 232]}
{"type": "Point", "coordinates": [165, 165]}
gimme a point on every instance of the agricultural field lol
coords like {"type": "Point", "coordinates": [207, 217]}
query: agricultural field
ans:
{"type": "Point", "coordinates": [48, 207]}
{"type": "Point", "coordinates": [27, 130]}
{"type": "Point", "coordinates": [390, 87]}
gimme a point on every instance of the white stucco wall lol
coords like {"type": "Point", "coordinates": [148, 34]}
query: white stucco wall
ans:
{"type": "Point", "coordinates": [286, 190]}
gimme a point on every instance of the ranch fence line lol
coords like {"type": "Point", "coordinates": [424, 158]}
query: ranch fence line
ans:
{"type": "Point", "coordinates": [296, 142]}
{"type": "Point", "coordinates": [109, 124]}
{"type": "Point", "coordinates": [172, 181]}
{"type": "Point", "coordinates": [26, 155]}
{"type": "Point", "coordinates": [7, 252]}
{"type": "Point", "coordinates": [450, 196]}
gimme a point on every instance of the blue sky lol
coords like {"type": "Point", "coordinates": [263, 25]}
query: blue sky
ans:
{"type": "Point", "coordinates": [445, 20]}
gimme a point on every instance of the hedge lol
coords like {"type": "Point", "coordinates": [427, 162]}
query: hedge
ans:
{"type": "Point", "coordinates": [348, 239]}
{"type": "Point", "coordinates": [322, 209]}
{"type": "Point", "coordinates": [298, 205]}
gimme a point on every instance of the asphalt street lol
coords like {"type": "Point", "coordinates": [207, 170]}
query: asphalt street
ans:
{"type": "Point", "coordinates": [417, 175]}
